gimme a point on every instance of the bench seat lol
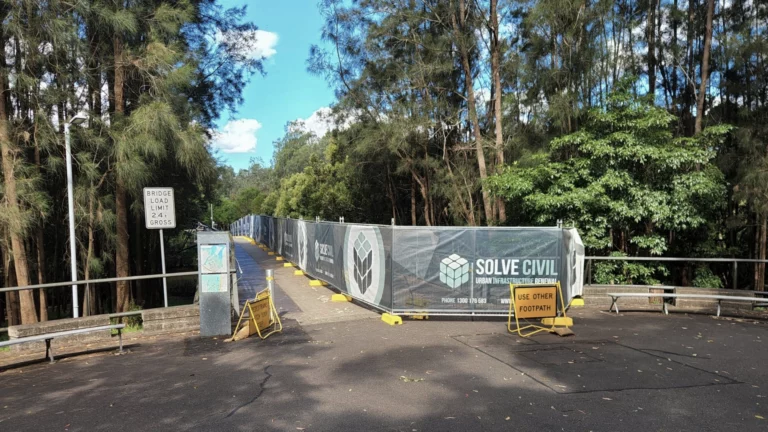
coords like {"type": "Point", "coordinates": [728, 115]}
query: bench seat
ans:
{"type": "Point", "coordinates": [719, 298]}
{"type": "Point", "coordinates": [48, 337]}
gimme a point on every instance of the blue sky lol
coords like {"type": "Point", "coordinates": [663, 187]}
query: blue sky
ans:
{"type": "Point", "coordinates": [288, 92]}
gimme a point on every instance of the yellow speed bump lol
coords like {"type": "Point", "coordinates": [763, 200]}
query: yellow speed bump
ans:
{"type": "Point", "coordinates": [341, 298]}
{"type": "Point", "coordinates": [298, 273]}
{"type": "Point", "coordinates": [287, 264]}
{"type": "Point", "coordinates": [315, 282]}
{"type": "Point", "coordinates": [420, 317]}
{"type": "Point", "coordinates": [271, 253]}
{"type": "Point", "coordinates": [391, 319]}
{"type": "Point", "coordinates": [279, 258]}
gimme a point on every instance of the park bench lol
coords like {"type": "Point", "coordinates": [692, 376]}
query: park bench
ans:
{"type": "Point", "coordinates": [51, 336]}
{"type": "Point", "coordinates": [719, 298]}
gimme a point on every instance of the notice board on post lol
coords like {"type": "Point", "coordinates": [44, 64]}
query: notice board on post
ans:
{"type": "Point", "coordinates": [159, 208]}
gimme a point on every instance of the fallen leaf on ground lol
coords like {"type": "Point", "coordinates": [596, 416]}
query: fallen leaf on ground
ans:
{"type": "Point", "coordinates": [407, 379]}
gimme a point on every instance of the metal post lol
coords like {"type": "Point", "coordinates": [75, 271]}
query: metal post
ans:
{"type": "Point", "coordinates": [71, 204]}
{"type": "Point", "coordinates": [735, 275]}
{"type": "Point", "coordinates": [271, 287]}
{"type": "Point", "coordinates": [162, 260]}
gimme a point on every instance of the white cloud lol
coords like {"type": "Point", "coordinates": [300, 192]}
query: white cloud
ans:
{"type": "Point", "coordinates": [264, 45]}
{"type": "Point", "coordinates": [322, 121]}
{"type": "Point", "coordinates": [319, 123]}
{"type": "Point", "coordinates": [237, 136]}
{"type": "Point", "coordinates": [255, 44]}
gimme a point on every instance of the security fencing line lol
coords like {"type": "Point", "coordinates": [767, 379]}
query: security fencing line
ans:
{"type": "Point", "coordinates": [391, 268]}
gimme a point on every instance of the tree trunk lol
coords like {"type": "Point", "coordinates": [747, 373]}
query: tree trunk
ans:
{"type": "Point", "coordinates": [705, 67]}
{"type": "Point", "coordinates": [495, 69]}
{"type": "Point", "coordinates": [651, 31]}
{"type": "Point", "coordinates": [122, 258]}
{"type": "Point", "coordinates": [89, 307]}
{"type": "Point", "coordinates": [18, 248]}
{"type": "Point", "coordinates": [413, 201]}
{"type": "Point", "coordinates": [689, 81]}
{"type": "Point", "coordinates": [760, 283]}
{"type": "Point", "coordinates": [139, 260]}
{"type": "Point", "coordinates": [39, 243]}
{"type": "Point", "coordinates": [13, 311]}
{"type": "Point", "coordinates": [40, 246]}
{"type": "Point", "coordinates": [459, 28]}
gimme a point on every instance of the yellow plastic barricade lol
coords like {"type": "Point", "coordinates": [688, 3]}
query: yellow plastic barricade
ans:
{"type": "Point", "coordinates": [262, 318]}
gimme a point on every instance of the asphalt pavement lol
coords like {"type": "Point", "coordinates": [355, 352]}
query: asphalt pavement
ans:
{"type": "Point", "coordinates": [634, 371]}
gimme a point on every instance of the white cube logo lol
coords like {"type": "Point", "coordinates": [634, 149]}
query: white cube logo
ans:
{"type": "Point", "coordinates": [454, 271]}
{"type": "Point", "coordinates": [363, 265]}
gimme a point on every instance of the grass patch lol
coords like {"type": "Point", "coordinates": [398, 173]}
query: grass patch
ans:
{"type": "Point", "coordinates": [129, 328]}
{"type": "Point", "coordinates": [4, 337]}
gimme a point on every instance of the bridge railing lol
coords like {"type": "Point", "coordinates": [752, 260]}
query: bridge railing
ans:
{"type": "Point", "coordinates": [734, 264]}
{"type": "Point", "coordinates": [100, 281]}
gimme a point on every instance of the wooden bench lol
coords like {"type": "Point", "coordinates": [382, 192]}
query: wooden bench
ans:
{"type": "Point", "coordinates": [719, 298]}
{"type": "Point", "coordinates": [51, 336]}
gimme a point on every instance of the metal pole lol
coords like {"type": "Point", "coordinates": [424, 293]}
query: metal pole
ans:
{"type": "Point", "coordinates": [735, 275]}
{"type": "Point", "coordinates": [271, 287]}
{"type": "Point", "coordinates": [162, 260]}
{"type": "Point", "coordinates": [71, 204]}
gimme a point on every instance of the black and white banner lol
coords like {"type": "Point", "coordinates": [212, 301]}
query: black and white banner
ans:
{"type": "Point", "coordinates": [448, 269]}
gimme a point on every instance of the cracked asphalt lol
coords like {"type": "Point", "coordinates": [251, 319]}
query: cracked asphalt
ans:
{"type": "Point", "coordinates": [631, 372]}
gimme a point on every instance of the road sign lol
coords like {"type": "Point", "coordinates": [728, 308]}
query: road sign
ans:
{"type": "Point", "coordinates": [535, 302]}
{"type": "Point", "coordinates": [159, 208]}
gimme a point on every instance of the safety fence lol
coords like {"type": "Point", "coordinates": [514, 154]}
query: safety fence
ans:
{"type": "Point", "coordinates": [411, 270]}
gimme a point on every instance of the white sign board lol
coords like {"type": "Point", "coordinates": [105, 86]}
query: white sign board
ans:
{"type": "Point", "coordinates": [159, 208]}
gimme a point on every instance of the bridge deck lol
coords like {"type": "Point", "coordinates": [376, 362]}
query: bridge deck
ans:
{"type": "Point", "coordinates": [293, 295]}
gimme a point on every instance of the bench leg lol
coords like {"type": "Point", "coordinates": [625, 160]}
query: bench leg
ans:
{"type": "Point", "coordinates": [664, 307]}
{"type": "Point", "coordinates": [120, 337]}
{"type": "Point", "coordinates": [48, 350]}
{"type": "Point", "coordinates": [718, 308]}
{"type": "Point", "coordinates": [614, 305]}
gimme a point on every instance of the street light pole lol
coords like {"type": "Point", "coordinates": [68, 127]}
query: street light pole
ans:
{"type": "Point", "coordinates": [71, 204]}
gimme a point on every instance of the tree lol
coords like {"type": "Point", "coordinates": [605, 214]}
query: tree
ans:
{"type": "Point", "coordinates": [625, 181]}
{"type": "Point", "coordinates": [705, 67]}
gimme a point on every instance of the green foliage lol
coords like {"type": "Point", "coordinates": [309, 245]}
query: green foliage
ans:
{"type": "Point", "coordinates": [624, 180]}
{"type": "Point", "coordinates": [226, 212]}
{"type": "Point", "coordinates": [624, 172]}
{"type": "Point", "coordinates": [705, 278]}
{"type": "Point", "coordinates": [321, 189]}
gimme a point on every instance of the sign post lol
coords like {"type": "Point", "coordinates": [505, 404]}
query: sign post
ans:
{"type": "Point", "coordinates": [159, 213]}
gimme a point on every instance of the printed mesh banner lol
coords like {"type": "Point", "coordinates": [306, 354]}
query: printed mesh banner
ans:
{"type": "Point", "coordinates": [459, 270]}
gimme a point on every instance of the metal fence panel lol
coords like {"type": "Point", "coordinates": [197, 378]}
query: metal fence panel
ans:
{"type": "Point", "coordinates": [424, 269]}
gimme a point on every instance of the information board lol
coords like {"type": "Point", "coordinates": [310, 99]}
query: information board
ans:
{"type": "Point", "coordinates": [536, 302]}
{"type": "Point", "coordinates": [159, 208]}
{"type": "Point", "coordinates": [260, 314]}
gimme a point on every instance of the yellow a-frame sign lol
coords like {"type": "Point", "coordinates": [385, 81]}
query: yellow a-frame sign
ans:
{"type": "Point", "coordinates": [262, 315]}
{"type": "Point", "coordinates": [537, 301]}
